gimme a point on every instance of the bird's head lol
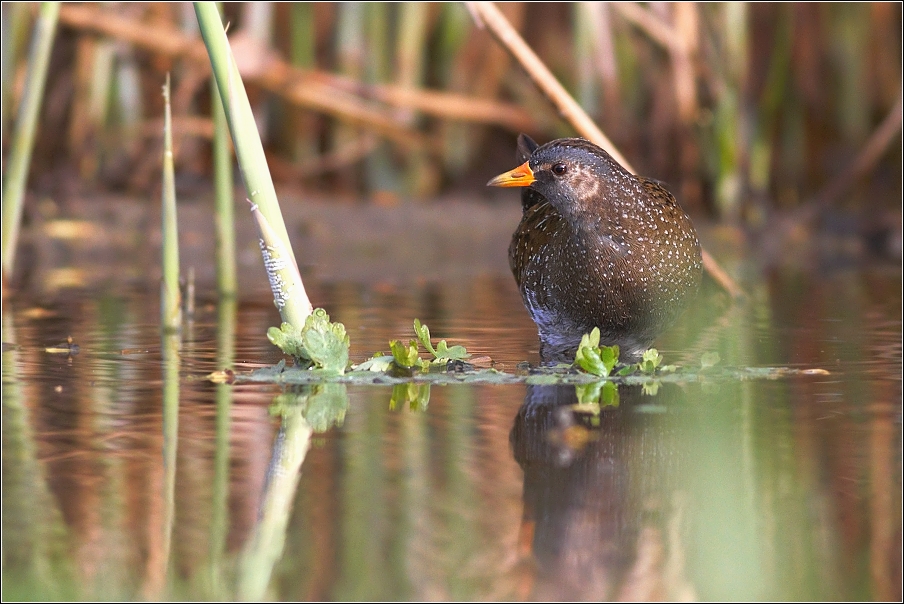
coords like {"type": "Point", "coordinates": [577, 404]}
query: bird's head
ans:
{"type": "Point", "coordinates": [573, 174]}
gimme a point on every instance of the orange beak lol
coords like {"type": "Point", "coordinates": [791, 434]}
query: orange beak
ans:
{"type": "Point", "coordinates": [521, 176]}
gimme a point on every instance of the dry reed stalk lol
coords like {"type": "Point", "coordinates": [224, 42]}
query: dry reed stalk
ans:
{"type": "Point", "coordinates": [277, 77]}
{"type": "Point", "coordinates": [603, 48]}
{"type": "Point", "coordinates": [316, 90]}
{"type": "Point", "coordinates": [335, 160]}
{"type": "Point", "coordinates": [866, 159]}
{"type": "Point", "coordinates": [447, 105]}
{"type": "Point", "coordinates": [502, 30]}
{"type": "Point", "coordinates": [681, 41]}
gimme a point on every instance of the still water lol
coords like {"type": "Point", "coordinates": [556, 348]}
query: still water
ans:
{"type": "Point", "coordinates": [772, 489]}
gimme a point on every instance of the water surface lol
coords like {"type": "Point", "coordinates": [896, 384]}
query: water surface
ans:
{"type": "Point", "coordinates": [785, 489]}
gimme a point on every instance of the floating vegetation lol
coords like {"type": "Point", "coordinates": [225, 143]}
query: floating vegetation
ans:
{"type": "Point", "coordinates": [443, 352]}
{"type": "Point", "coordinates": [593, 358]}
{"type": "Point", "coordinates": [407, 357]}
{"type": "Point", "coordinates": [320, 350]}
{"type": "Point", "coordinates": [319, 344]}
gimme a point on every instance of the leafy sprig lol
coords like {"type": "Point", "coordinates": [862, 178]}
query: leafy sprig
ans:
{"type": "Point", "coordinates": [443, 352]}
{"type": "Point", "coordinates": [406, 356]}
{"type": "Point", "coordinates": [593, 358]}
{"type": "Point", "coordinates": [319, 344]}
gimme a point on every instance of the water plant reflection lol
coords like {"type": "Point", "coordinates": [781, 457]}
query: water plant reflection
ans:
{"type": "Point", "coordinates": [303, 411]}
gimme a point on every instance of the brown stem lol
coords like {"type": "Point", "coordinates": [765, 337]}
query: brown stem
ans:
{"type": "Point", "coordinates": [720, 276]}
{"type": "Point", "coordinates": [871, 152]}
{"type": "Point", "coordinates": [316, 90]}
{"type": "Point", "coordinates": [503, 31]}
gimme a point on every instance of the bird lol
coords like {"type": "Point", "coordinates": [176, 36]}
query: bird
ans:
{"type": "Point", "coordinates": [598, 247]}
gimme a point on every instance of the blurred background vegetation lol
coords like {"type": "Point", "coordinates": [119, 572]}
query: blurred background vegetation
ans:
{"type": "Point", "coordinates": [744, 109]}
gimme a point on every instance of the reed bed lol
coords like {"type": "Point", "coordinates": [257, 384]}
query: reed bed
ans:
{"type": "Point", "coordinates": [744, 109]}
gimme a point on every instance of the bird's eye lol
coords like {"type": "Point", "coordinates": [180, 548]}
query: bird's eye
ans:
{"type": "Point", "coordinates": [559, 169]}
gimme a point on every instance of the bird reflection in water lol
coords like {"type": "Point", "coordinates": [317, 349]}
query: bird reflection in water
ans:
{"type": "Point", "coordinates": [598, 504]}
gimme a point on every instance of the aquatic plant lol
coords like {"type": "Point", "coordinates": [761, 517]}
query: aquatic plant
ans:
{"type": "Point", "coordinates": [593, 358]}
{"type": "Point", "coordinates": [443, 352]}
{"type": "Point", "coordinates": [407, 356]}
{"type": "Point", "coordinates": [319, 344]}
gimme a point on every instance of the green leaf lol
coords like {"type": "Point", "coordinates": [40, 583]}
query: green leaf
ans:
{"type": "Point", "coordinates": [288, 339]}
{"type": "Point", "coordinates": [650, 388]}
{"type": "Point", "coordinates": [423, 334]}
{"type": "Point", "coordinates": [404, 356]}
{"type": "Point", "coordinates": [323, 406]}
{"type": "Point", "coordinates": [650, 360]}
{"type": "Point", "coordinates": [378, 362]}
{"type": "Point", "coordinates": [319, 343]}
{"type": "Point", "coordinates": [326, 406]}
{"type": "Point", "coordinates": [591, 340]}
{"type": "Point", "coordinates": [593, 358]}
{"type": "Point", "coordinates": [443, 352]}
{"type": "Point", "coordinates": [589, 360]}
{"type": "Point", "coordinates": [652, 355]}
{"type": "Point", "coordinates": [603, 393]}
{"type": "Point", "coordinates": [609, 356]}
{"type": "Point", "coordinates": [609, 395]}
{"type": "Point", "coordinates": [325, 343]}
{"type": "Point", "coordinates": [589, 393]}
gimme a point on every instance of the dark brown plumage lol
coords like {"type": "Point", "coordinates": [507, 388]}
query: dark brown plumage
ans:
{"type": "Point", "coordinates": [597, 247]}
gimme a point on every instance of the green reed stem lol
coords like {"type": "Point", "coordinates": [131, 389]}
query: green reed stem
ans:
{"type": "Point", "coordinates": [290, 296]}
{"type": "Point", "coordinates": [170, 297]}
{"type": "Point", "coordinates": [224, 215]}
{"type": "Point", "coordinates": [26, 126]}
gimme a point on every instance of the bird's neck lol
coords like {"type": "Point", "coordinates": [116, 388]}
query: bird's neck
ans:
{"type": "Point", "coordinates": [603, 217]}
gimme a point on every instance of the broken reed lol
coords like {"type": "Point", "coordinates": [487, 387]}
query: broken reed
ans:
{"type": "Point", "coordinates": [170, 296]}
